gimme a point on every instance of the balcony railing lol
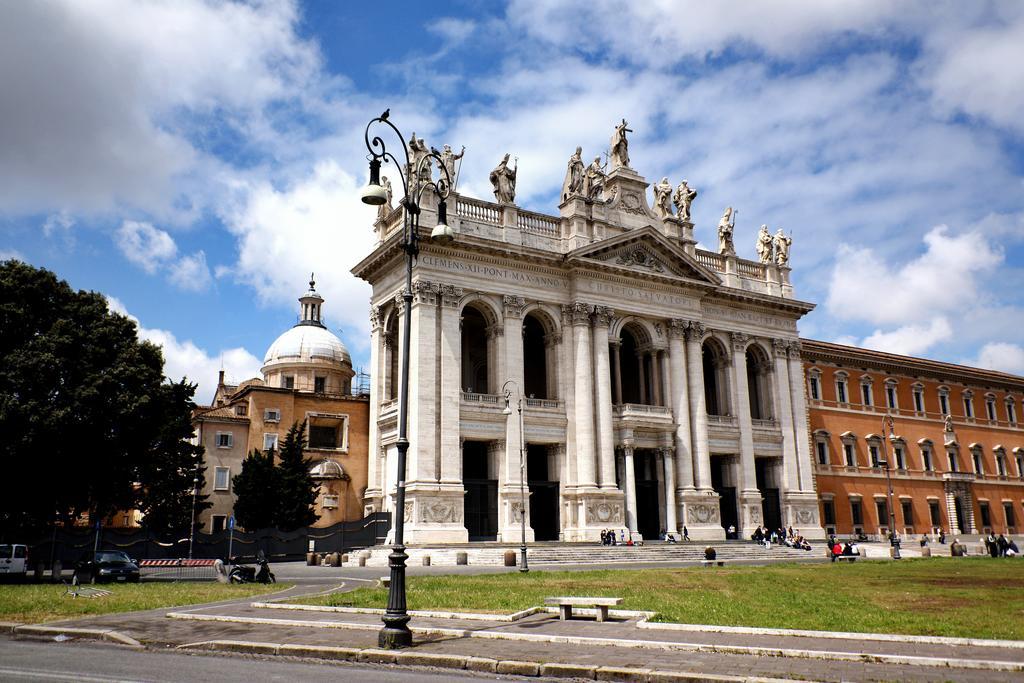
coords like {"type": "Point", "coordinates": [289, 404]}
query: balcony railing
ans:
{"type": "Point", "coordinates": [957, 476]}
{"type": "Point", "coordinates": [547, 403]}
{"type": "Point", "coordinates": [766, 424]}
{"type": "Point", "coordinates": [487, 399]}
{"type": "Point", "coordinates": [723, 420]}
{"type": "Point", "coordinates": [641, 408]}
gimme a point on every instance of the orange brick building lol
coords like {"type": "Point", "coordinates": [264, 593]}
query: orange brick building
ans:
{"type": "Point", "coordinates": [307, 375]}
{"type": "Point", "coordinates": [955, 446]}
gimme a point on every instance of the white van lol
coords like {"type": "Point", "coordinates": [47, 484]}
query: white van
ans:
{"type": "Point", "coordinates": [13, 560]}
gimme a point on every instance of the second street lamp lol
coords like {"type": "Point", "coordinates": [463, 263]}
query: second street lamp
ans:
{"type": "Point", "coordinates": [396, 633]}
{"type": "Point", "coordinates": [523, 566]}
{"type": "Point", "coordinates": [894, 540]}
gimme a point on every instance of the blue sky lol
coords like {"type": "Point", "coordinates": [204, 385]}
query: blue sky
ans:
{"type": "Point", "coordinates": [195, 160]}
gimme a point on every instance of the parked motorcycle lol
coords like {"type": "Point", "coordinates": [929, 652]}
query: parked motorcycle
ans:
{"type": "Point", "coordinates": [261, 573]}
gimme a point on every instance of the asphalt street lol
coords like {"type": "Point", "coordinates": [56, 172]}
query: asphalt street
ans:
{"type": "Point", "coordinates": [52, 661]}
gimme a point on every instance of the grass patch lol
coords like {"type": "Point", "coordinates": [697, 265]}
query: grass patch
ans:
{"type": "Point", "coordinates": [961, 597]}
{"type": "Point", "coordinates": [36, 603]}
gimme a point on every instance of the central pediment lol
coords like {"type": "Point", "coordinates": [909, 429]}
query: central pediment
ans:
{"type": "Point", "coordinates": [645, 251]}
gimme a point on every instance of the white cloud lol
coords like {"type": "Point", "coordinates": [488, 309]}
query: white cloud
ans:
{"type": "Point", "coordinates": [9, 254]}
{"type": "Point", "coordinates": [185, 359]}
{"type": "Point", "coordinates": [944, 279]}
{"type": "Point", "coordinates": [99, 98]}
{"type": "Point", "coordinates": [1002, 356]}
{"type": "Point", "coordinates": [145, 246]}
{"type": "Point", "coordinates": [910, 340]}
{"type": "Point", "coordinates": [190, 273]}
{"type": "Point", "coordinates": [316, 225]}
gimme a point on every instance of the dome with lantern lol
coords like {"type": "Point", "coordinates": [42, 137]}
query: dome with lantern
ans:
{"type": "Point", "coordinates": [309, 357]}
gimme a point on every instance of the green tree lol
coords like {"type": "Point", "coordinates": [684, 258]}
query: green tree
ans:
{"type": "Point", "coordinates": [257, 491]}
{"type": "Point", "coordinates": [173, 467]}
{"type": "Point", "coordinates": [76, 402]}
{"type": "Point", "coordinates": [297, 502]}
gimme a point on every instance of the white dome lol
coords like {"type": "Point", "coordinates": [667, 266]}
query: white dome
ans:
{"type": "Point", "coordinates": [307, 343]}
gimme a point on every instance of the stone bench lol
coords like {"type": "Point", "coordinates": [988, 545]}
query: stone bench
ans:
{"type": "Point", "coordinates": [847, 558]}
{"type": "Point", "coordinates": [713, 563]}
{"type": "Point", "coordinates": [565, 605]}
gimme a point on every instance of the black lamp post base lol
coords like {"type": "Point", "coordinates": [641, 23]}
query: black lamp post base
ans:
{"type": "Point", "coordinates": [395, 635]}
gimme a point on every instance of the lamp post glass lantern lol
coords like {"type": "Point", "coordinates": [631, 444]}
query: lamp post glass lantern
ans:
{"type": "Point", "coordinates": [523, 565]}
{"type": "Point", "coordinates": [894, 539]}
{"type": "Point", "coordinates": [396, 633]}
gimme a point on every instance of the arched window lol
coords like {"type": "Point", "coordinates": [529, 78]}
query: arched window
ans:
{"type": "Point", "coordinates": [716, 384]}
{"type": "Point", "coordinates": [759, 369]}
{"type": "Point", "coordinates": [632, 367]}
{"type": "Point", "coordinates": [476, 356]}
{"type": "Point", "coordinates": [539, 357]}
{"type": "Point", "coordinates": [842, 387]}
{"type": "Point", "coordinates": [391, 353]}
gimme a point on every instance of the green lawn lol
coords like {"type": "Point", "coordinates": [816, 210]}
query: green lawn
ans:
{"type": "Point", "coordinates": [968, 597]}
{"type": "Point", "coordinates": [35, 603]}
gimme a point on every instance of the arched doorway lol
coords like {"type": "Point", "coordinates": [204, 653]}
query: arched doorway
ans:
{"type": "Point", "coordinates": [758, 385]}
{"type": "Point", "coordinates": [536, 383]}
{"type": "Point", "coordinates": [716, 385]}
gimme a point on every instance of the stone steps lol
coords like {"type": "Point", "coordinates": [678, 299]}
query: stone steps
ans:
{"type": "Point", "coordinates": [560, 553]}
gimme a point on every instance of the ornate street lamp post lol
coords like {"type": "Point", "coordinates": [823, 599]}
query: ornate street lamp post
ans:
{"type": "Point", "coordinates": [523, 566]}
{"type": "Point", "coordinates": [396, 633]}
{"type": "Point", "coordinates": [195, 494]}
{"type": "Point", "coordinates": [894, 539]}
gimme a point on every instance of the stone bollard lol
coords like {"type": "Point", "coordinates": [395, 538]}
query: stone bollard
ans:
{"type": "Point", "coordinates": [510, 558]}
{"type": "Point", "coordinates": [39, 572]}
{"type": "Point", "coordinates": [426, 560]}
{"type": "Point", "coordinates": [926, 552]}
{"type": "Point", "coordinates": [335, 559]}
{"type": "Point", "coordinates": [311, 559]}
{"type": "Point", "coordinates": [461, 557]}
{"type": "Point", "coordinates": [362, 560]}
{"type": "Point", "coordinates": [344, 558]}
{"type": "Point", "coordinates": [58, 571]}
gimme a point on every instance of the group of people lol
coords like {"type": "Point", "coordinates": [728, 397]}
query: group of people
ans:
{"type": "Point", "coordinates": [1001, 546]}
{"type": "Point", "coordinates": [836, 549]}
{"type": "Point", "coordinates": [624, 537]}
{"type": "Point", "coordinates": [763, 536]}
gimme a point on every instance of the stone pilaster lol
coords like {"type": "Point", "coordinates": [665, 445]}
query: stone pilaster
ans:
{"type": "Point", "coordinates": [802, 510]}
{"type": "Point", "coordinates": [680, 402]}
{"type": "Point", "coordinates": [603, 398]}
{"type": "Point", "coordinates": [373, 496]}
{"type": "Point", "coordinates": [750, 496]}
{"type": "Point", "coordinates": [509, 505]}
{"type": "Point", "coordinates": [669, 485]}
{"type": "Point", "coordinates": [784, 413]}
{"type": "Point", "coordinates": [700, 506]}
{"type": "Point", "coordinates": [630, 483]}
{"type": "Point", "coordinates": [451, 391]}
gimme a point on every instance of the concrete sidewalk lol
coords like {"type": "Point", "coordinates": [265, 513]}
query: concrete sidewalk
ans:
{"type": "Point", "coordinates": [624, 648]}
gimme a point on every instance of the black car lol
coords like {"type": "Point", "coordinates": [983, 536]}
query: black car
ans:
{"type": "Point", "coordinates": [106, 565]}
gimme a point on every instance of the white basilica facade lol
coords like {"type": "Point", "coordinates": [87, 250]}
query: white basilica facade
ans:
{"type": "Point", "coordinates": [662, 383]}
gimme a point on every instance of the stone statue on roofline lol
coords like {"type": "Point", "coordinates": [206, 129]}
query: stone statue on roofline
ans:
{"type": "Point", "coordinates": [418, 150]}
{"type": "Point", "coordinates": [574, 175]}
{"type": "Point", "coordinates": [619, 154]}
{"type": "Point", "coordinates": [593, 180]}
{"type": "Point", "coordinates": [764, 245]}
{"type": "Point", "coordinates": [782, 245]}
{"type": "Point", "coordinates": [725, 228]}
{"type": "Point", "coordinates": [503, 180]}
{"type": "Point", "coordinates": [683, 198]}
{"type": "Point", "coordinates": [448, 158]}
{"type": "Point", "coordinates": [663, 199]}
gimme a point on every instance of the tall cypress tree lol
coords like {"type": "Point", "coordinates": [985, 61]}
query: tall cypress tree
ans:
{"type": "Point", "coordinates": [257, 491]}
{"type": "Point", "coordinates": [298, 491]}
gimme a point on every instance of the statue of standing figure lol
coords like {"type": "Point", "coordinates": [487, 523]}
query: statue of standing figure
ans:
{"type": "Point", "coordinates": [619, 155]}
{"type": "Point", "coordinates": [663, 198]}
{"type": "Point", "coordinates": [448, 158]}
{"type": "Point", "coordinates": [574, 175]}
{"type": "Point", "coordinates": [386, 208]}
{"type": "Point", "coordinates": [418, 150]}
{"type": "Point", "coordinates": [782, 245]}
{"type": "Point", "coordinates": [764, 245]}
{"type": "Point", "coordinates": [682, 198]}
{"type": "Point", "coordinates": [503, 179]}
{"type": "Point", "coordinates": [593, 180]}
{"type": "Point", "coordinates": [725, 227]}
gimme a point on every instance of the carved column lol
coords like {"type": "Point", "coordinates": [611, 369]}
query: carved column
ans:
{"type": "Point", "coordinates": [666, 382]}
{"type": "Point", "coordinates": [451, 392]}
{"type": "Point", "coordinates": [424, 388]}
{"type": "Point", "coordinates": [603, 397]}
{"type": "Point", "coordinates": [656, 378]}
{"type": "Point", "coordinates": [784, 411]}
{"type": "Point", "coordinates": [509, 483]}
{"type": "Point", "coordinates": [800, 429]}
{"type": "Point", "coordinates": [698, 406]}
{"type": "Point", "coordinates": [617, 368]}
{"type": "Point", "coordinates": [680, 401]}
{"type": "Point", "coordinates": [373, 494]}
{"type": "Point", "coordinates": [552, 347]}
{"type": "Point", "coordinates": [642, 374]}
{"type": "Point", "coordinates": [750, 497]}
{"type": "Point", "coordinates": [669, 481]}
{"type": "Point", "coordinates": [584, 396]}
{"type": "Point", "coordinates": [627, 456]}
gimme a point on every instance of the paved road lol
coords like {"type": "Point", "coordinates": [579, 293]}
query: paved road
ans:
{"type": "Point", "coordinates": [74, 663]}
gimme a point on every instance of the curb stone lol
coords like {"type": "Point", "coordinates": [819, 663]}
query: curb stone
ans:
{"type": "Point", "coordinates": [481, 664]}
{"type": "Point", "coordinates": [512, 666]}
{"type": "Point", "coordinates": [378, 656]}
{"type": "Point", "coordinates": [556, 670]}
{"type": "Point", "coordinates": [90, 633]}
{"type": "Point", "coordinates": [320, 651]}
{"type": "Point", "coordinates": [431, 659]}
{"type": "Point", "coordinates": [615, 673]}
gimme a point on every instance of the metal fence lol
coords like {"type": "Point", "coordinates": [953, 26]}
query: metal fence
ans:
{"type": "Point", "coordinates": [68, 545]}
